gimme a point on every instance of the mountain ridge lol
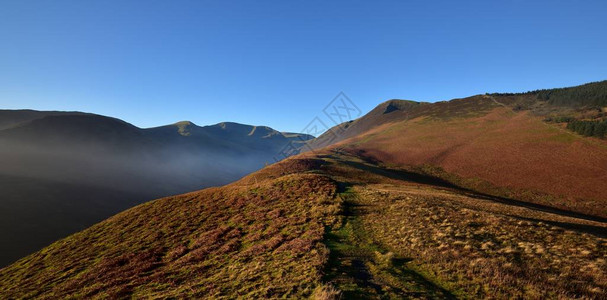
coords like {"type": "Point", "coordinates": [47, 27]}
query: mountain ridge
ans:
{"type": "Point", "coordinates": [454, 199]}
{"type": "Point", "coordinates": [458, 140]}
{"type": "Point", "coordinates": [66, 154]}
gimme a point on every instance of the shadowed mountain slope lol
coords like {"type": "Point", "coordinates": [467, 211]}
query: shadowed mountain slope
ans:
{"type": "Point", "coordinates": [64, 171]}
{"type": "Point", "coordinates": [192, 245]}
{"type": "Point", "coordinates": [391, 110]}
{"type": "Point", "coordinates": [11, 118]}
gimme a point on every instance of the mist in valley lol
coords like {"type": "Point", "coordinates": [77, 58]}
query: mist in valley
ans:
{"type": "Point", "coordinates": [67, 173]}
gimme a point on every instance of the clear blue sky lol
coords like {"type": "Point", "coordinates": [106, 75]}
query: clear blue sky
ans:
{"type": "Point", "coordinates": [278, 63]}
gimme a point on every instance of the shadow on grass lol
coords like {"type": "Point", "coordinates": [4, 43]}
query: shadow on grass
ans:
{"type": "Point", "coordinates": [353, 265]}
{"type": "Point", "coordinates": [590, 229]}
{"type": "Point", "coordinates": [409, 176]}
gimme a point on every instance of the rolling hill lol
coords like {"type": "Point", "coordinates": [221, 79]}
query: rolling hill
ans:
{"type": "Point", "coordinates": [64, 171]}
{"type": "Point", "coordinates": [481, 197]}
{"type": "Point", "coordinates": [323, 225]}
{"type": "Point", "coordinates": [500, 144]}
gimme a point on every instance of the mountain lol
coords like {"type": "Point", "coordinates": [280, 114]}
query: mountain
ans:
{"type": "Point", "coordinates": [64, 171]}
{"type": "Point", "coordinates": [10, 118]}
{"type": "Point", "coordinates": [505, 145]}
{"type": "Point", "coordinates": [413, 200]}
{"type": "Point", "coordinates": [381, 114]}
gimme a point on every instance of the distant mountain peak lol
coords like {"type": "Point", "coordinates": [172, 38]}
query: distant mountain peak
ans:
{"type": "Point", "coordinates": [397, 104]}
{"type": "Point", "coordinates": [185, 123]}
{"type": "Point", "coordinates": [185, 127]}
{"type": "Point", "coordinates": [263, 131]}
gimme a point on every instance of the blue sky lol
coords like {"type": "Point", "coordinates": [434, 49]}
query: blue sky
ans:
{"type": "Point", "coordinates": [278, 63]}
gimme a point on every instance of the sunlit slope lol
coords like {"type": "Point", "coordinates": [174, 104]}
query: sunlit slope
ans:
{"type": "Point", "coordinates": [258, 237]}
{"type": "Point", "coordinates": [485, 143]}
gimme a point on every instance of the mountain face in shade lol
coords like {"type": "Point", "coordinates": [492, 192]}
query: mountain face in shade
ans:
{"type": "Point", "coordinates": [63, 171]}
{"type": "Point", "coordinates": [385, 112]}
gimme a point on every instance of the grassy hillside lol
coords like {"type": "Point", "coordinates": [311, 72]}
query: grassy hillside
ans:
{"type": "Point", "coordinates": [480, 197]}
{"type": "Point", "coordinates": [495, 144]}
{"type": "Point", "coordinates": [386, 112]}
{"type": "Point", "coordinates": [65, 171]}
{"type": "Point", "coordinates": [250, 240]}
{"type": "Point", "coordinates": [34, 215]}
{"type": "Point", "coordinates": [321, 226]}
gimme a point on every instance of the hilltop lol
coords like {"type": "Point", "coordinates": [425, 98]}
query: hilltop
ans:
{"type": "Point", "coordinates": [517, 146]}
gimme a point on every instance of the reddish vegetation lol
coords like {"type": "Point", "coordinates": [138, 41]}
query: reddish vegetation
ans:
{"type": "Point", "coordinates": [254, 240]}
{"type": "Point", "coordinates": [391, 221]}
{"type": "Point", "coordinates": [286, 232]}
{"type": "Point", "coordinates": [532, 160]}
{"type": "Point", "coordinates": [487, 250]}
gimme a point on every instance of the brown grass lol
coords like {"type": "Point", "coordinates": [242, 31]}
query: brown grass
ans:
{"type": "Point", "coordinates": [488, 250]}
{"type": "Point", "coordinates": [256, 240]}
{"type": "Point", "coordinates": [511, 151]}
{"type": "Point", "coordinates": [326, 292]}
{"type": "Point", "coordinates": [291, 230]}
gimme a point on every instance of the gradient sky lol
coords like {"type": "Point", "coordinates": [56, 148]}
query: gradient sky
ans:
{"type": "Point", "coordinates": [278, 63]}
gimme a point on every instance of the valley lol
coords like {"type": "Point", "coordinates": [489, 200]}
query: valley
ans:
{"type": "Point", "coordinates": [62, 172]}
